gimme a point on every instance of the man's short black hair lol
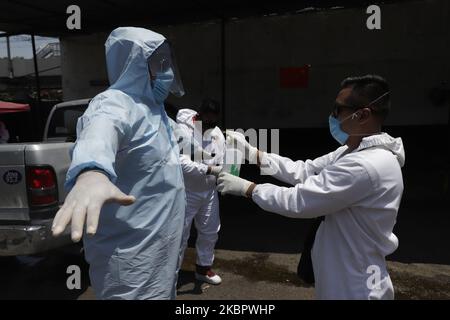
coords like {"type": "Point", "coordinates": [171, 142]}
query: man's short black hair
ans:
{"type": "Point", "coordinates": [210, 106]}
{"type": "Point", "coordinates": [366, 89]}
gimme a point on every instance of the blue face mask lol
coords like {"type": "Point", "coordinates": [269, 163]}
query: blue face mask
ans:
{"type": "Point", "coordinates": [335, 128]}
{"type": "Point", "coordinates": [336, 131]}
{"type": "Point", "coordinates": [161, 86]}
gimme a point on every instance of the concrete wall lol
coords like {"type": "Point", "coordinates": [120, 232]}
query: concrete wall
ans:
{"type": "Point", "coordinates": [411, 52]}
{"type": "Point", "coordinates": [198, 52]}
{"type": "Point", "coordinates": [82, 63]}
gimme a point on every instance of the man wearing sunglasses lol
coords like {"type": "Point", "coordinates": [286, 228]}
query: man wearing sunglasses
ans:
{"type": "Point", "coordinates": [357, 189]}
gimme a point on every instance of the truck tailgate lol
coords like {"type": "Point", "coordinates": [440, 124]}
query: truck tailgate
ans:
{"type": "Point", "coordinates": [13, 189]}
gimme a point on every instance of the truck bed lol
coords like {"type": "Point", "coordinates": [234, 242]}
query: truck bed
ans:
{"type": "Point", "coordinates": [25, 229]}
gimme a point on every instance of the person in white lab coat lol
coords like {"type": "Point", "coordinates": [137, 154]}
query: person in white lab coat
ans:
{"type": "Point", "coordinates": [357, 188]}
{"type": "Point", "coordinates": [200, 183]}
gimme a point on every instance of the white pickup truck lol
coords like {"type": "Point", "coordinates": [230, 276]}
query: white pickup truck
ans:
{"type": "Point", "coordinates": [32, 179]}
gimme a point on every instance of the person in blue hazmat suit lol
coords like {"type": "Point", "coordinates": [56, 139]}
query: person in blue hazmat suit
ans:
{"type": "Point", "coordinates": [357, 188]}
{"type": "Point", "coordinates": [125, 179]}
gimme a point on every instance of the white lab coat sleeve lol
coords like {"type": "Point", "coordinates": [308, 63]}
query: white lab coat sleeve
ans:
{"type": "Point", "coordinates": [293, 172]}
{"type": "Point", "coordinates": [336, 187]}
{"type": "Point", "coordinates": [192, 169]}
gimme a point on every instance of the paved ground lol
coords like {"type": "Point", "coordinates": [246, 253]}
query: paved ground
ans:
{"type": "Point", "coordinates": [246, 275]}
{"type": "Point", "coordinates": [250, 275]}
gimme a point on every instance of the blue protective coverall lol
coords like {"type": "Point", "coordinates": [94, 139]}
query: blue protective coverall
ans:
{"type": "Point", "coordinates": [126, 133]}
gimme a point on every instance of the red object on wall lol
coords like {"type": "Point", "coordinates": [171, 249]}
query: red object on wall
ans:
{"type": "Point", "coordinates": [294, 77]}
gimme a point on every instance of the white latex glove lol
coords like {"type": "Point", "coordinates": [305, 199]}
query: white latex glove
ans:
{"type": "Point", "coordinates": [230, 184]}
{"type": "Point", "coordinates": [84, 202]}
{"type": "Point", "coordinates": [215, 170]}
{"type": "Point", "coordinates": [237, 140]}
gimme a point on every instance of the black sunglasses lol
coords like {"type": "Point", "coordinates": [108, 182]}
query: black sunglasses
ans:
{"type": "Point", "coordinates": [338, 108]}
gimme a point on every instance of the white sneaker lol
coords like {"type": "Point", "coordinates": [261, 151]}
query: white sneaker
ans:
{"type": "Point", "coordinates": [210, 277]}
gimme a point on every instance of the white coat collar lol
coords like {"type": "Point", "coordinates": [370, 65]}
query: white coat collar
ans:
{"type": "Point", "coordinates": [384, 140]}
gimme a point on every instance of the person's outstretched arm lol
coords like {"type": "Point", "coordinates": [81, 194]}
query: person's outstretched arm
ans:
{"type": "Point", "coordinates": [91, 176]}
{"type": "Point", "coordinates": [281, 168]}
{"type": "Point", "coordinates": [293, 172]}
{"type": "Point", "coordinates": [335, 188]}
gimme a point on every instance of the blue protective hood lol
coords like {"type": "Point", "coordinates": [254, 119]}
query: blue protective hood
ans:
{"type": "Point", "coordinates": [127, 52]}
